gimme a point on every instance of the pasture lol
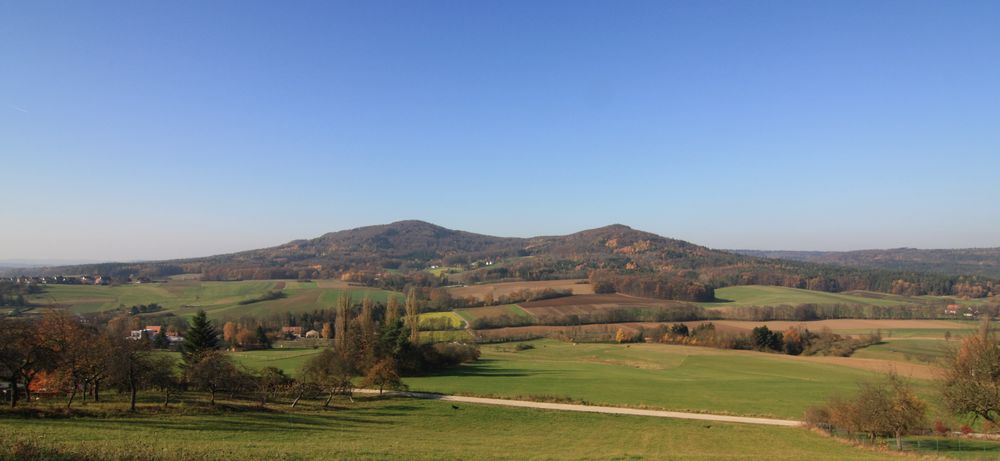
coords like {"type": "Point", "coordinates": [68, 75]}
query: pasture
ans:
{"type": "Point", "coordinates": [399, 429]}
{"type": "Point", "coordinates": [475, 313]}
{"type": "Point", "coordinates": [926, 351]}
{"type": "Point", "coordinates": [450, 320]}
{"type": "Point", "coordinates": [219, 299]}
{"type": "Point", "coordinates": [760, 295]}
{"type": "Point", "coordinates": [651, 375]}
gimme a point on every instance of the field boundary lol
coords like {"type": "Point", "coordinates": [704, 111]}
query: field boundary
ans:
{"type": "Point", "coordinates": [593, 408]}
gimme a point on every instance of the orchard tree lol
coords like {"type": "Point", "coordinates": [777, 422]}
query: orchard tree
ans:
{"type": "Point", "coordinates": [23, 354]}
{"type": "Point", "coordinates": [330, 371]}
{"type": "Point", "coordinates": [214, 372]}
{"type": "Point", "coordinates": [131, 366]}
{"type": "Point", "coordinates": [383, 374]}
{"type": "Point", "coordinates": [971, 383]}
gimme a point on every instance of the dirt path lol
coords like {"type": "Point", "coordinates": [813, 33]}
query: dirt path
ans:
{"type": "Point", "coordinates": [595, 409]}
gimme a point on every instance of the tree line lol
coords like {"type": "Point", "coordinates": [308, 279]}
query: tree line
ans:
{"type": "Point", "coordinates": [63, 353]}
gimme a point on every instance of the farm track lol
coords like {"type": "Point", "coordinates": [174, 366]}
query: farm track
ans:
{"type": "Point", "coordinates": [594, 409]}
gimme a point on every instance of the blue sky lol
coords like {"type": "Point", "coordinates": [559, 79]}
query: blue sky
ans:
{"type": "Point", "coordinates": [141, 129]}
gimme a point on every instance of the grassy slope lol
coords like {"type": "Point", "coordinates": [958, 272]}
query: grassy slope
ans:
{"type": "Point", "coordinates": [415, 429]}
{"type": "Point", "coordinates": [473, 313]}
{"type": "Point", "coordinates": [454, 320]}
{"type": "Point", "coordinates": [925, 351]}
{"type": "Point", "coordinates": [289, 360]}
{"type": "Point", "coordinates": [671, 377]}
{"type": "Point", "coordinates": [217, 298]}
{"type": "Point", "coordinates": [760, 295]}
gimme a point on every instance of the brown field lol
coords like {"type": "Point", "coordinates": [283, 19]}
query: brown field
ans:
{"type": "Point", "coordinates": [584, 304]}
{"type": "Point", "coordinates": [505, 288]}
{"type": "Point", "coordinates": [836, 324]}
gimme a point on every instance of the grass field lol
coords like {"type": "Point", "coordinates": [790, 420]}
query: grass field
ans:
{"type": "Point", "coordinates": [652, 375]}
{"type": "Point", "coordinates": [928, 351]}
{"type": "Point", "coordinates": [405, 429]}
{"type": "Point", "coordinates": [760, 295]}
{"type": "Point", "coordinates": [289, 360]}
{"type": "Point", "coordinates": [453, 319]}
{"type": "Point", "coordinates": [475, 313]}
{"type": "Point", "coordinates": [218, 299]}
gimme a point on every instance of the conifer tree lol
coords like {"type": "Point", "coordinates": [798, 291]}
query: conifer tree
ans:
{"type": "Point", "coordinates": [200, 338]}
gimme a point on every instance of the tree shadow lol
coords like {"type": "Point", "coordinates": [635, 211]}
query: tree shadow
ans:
{"type": "Point", "coordinates": [488, 368]}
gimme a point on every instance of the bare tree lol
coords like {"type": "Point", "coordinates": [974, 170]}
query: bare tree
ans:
{"type": "Point", "coordinates": [330, 371]}
{"type": "Point", "coordinates": [214, 372]}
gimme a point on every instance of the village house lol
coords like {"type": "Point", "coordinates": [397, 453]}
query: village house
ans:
{"type": "Point", "coordinates": [295, 332]}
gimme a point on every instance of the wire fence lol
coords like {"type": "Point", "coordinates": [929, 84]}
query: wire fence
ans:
{"type": "Point", "coordinates": [958, 446]}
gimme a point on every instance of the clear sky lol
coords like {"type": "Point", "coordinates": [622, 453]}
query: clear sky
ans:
{"type": "Point", "coordinates": [156, 129]}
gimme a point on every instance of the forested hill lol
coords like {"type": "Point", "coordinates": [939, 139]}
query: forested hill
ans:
{"type": "Point", "coordinates": [414, 253]}
{"type": "Point", "coordinates": [964, 261]}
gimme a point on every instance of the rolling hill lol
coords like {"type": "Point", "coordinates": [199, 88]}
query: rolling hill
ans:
{"type": "Point", "coordinates": [400, 254]}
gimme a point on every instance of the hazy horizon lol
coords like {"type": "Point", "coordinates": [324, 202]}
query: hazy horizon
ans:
{"type": "Point", "coordinates": [146, 131]}
{"type": "Point", "coordinates": [30, 262]}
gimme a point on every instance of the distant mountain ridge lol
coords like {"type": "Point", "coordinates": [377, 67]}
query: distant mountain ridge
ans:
{"type": "Point", "coordinates": [415, 245]}
{"type": "Point", "coordinates": [402, 254]}
{"type": "Point", "coordinates": [961, 261]}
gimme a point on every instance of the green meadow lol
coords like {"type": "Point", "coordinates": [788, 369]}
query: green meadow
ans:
{"type": "Point", "coordinates": [760, 295]}
{"type": "Point", "coordinates": [649, 375]}
{"type": "Point", "coordinates": [473, 313]}
{"type": "Point", "coordinates": [451, 318]}
{"type": "Point", "coordinates": [924, 351]}
{"type": "Point", "coordinates": [639, 375]}
{"type": "Point", "coordinates": [218, 299]}
{"type": "Point", "coordinates": [402, 429]}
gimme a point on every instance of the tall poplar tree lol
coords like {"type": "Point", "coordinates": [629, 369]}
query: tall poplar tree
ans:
{"type": "Point", "coordinates": [412, 318]}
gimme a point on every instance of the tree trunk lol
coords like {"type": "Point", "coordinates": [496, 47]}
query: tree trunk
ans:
{"type": "Point", "coordinates": [86, 390]}
{"type": "Point", "coordinates": [166, 399]}
{"type": "Point", "coordinates": [899, 441]}
{"type": "Point", "coordinates": [134, 389]}
{"type": "Point", "coordinates": [213, 395]}
{"type": "Point", "coordinates": [27, 389]}
{"type": "Point", "coordinates": [296, 401]}
{"type": "Point", "coordinates": [97, 390]}
{"type": "Point", "coordinates": [13, 392]}
{"type": "Point", "coordinates": [328, 399]}
{"type": "Point", "coordinates": [72, 395]}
